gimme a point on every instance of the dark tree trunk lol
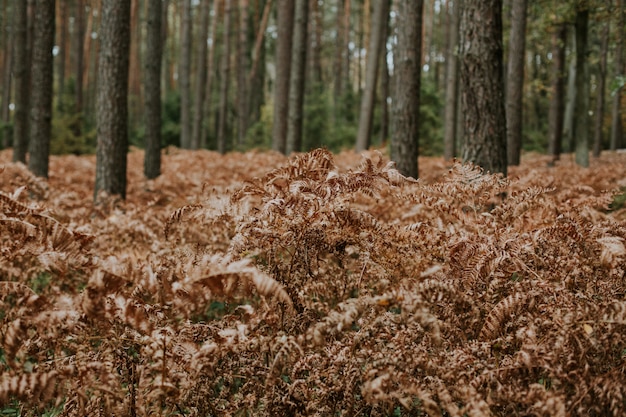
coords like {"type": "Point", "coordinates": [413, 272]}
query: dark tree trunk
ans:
{"type": "Point", "coordinates": [452, 84]}
{"type": "Point", "coordinates": [515, 81]}
{"type": "Point", "coordinates": [7, 80]}
{"type": "Point", "coordinates": [42, 79]}
{"type": "Point", "coordinates": [152, 87]}
{"type": "Point", "coordinates": [208, 107]}
{"type": "Point", "coordinates": [557, 103]}
{"type": "Point", "coordinates": [599, 115]}
{"type": "Point", "coordinates": [482, 85]}
{"type": "Point", "coordinates": [581, 125]}
{"type": "Point", "coordinates": [379, 28]}
{"type": "Point", "coordinates": [63, 51]}
{"type": "Point", "coordinates": [80, 61]}
{"type": "Point", "coordinates": [385, 92]}
{"type": "Point", "coordinates": [184, 76]}
{"type": "Point", "coordinates": [200, 76]}
{"type": "Point", "coordinates": [297, 77]}
{"type": "Point", "coordinates": [406, 92]}
{"type": "Point", "coordinates": [283, 72]}
{"type": "Point", "coordinates": [224, 75]}
{"type": "Point", "coordinates": [21, 71]}
{"type": "Point", "coordinates": [112, 99]}
{"type": "Point", "coordinates": [243, 106]}
{"type": "Point", "coordinates": [617, 130]}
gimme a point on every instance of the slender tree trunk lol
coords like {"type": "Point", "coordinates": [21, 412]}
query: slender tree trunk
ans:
{"type": "Point", "coordinates": [339, 51]}
{"type": "Point", "coordinates": [258, 42]}
{"type": "Point", "coordinates": [42, 81]}
{"type": "Point", "coordinates": [557, 104]}
{"type": "Point", "coordinates": [515, 81]}
{"type": "Point", "coordinates": [297, 77]}
{"type": "Point", "coordinates": [208, 105]}
{"type": "Point", "coordinates": [452, 83]}
{"type": "Point", "coordinates": [581, 127]}
{"type": "Point", "coordinates": [570, 104]}
{"type": "Point", "coordinates": [379, 28]}
{"type": "Point", "coordinates": [165, 64]}
{"type": "Point", "coordinates": [112, 99]}
{"type": "Point", "coordinates": [316, 43]}
{"type": "Point", "coordinates": [243, 101]}
{"type": "Point", "coordinates": [200, 75]}
{"type": "Point", "coordinates": [152, 86]}
{"type": "Point", "coordinates": [617, 130]}
{"type": "Point", "coordinates": [283, 72]}
{"type": "Point", "coordinates": [63, 18]}
{"type": "Point", "coordinates": [184, 75]}
{"type": "Point", "coordinates": [385, 92]}
{"type": "Point", "coordinates": [80, 60]}
{"type": "Point", "coordinates": [224, 75]}
{"type": "Point", "coordinates": [406, 93]}
{"type": "Point", "coordinates": [483, 85]}
{"type": "Point", "coordinates": [7, 79]}
{"type": "Point", "coordinates": [21, 71]}
{"type": "Point", "coordinates": [599, 115]}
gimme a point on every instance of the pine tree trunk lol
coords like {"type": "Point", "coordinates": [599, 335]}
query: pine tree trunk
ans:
{"type": "Point", "coordinates": [483, 85]}
{"type": "Point", "coordinates": [406, 92]}
{"type": "Point", "coordinates": [80, 61]}
{"type": "Point", "coordinates": [452, 83]}
{"type": "Point", "coordinates": [283, 72]}
{"type": "Point", "coordinates": [385, 92]}
{"type": "Point", "coordinates": [242, 68]}
{"type": "Point", "coordinates": [208, 105]}
{"type": "Point", "coordinates": [297, 77]}
{"type": "Point", "coordinates": [515, 81]}
{"type": "Point", "coordinates": [112, 99]}
{"type": "Point", "coordinates": [184, 76]}
{"type": "Point", "coordinates": [21, 71]}
{"type": "Point", "coordinates": [224, 75]}
{"type": "Point", "coordinates": [201, 76]}
{"type": "Point", "coordinates": [63, 18]}
{"type": "Point", "coordinates": [379, 28]}
{"type": "Point", "coordinates": [617, 130]}
{"type": "Point", "coordinates": [7, 80]}
{"type": "Point", "coordinates": [581, 126]}
{"type": "Point", "coordinates": [42, 81]}
{"type": "Point", "coordinates": [570, 104]}
{"type": "Point", "coordinates": [152, 87]}
{"type": "Point", "coordinates": [557, 104]}
{"type": "Point", "coordinates": [599, 114]}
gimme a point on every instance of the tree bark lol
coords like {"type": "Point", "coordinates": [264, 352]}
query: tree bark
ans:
{"type": "Point", "coordinates": [297, 77]}
{"type": "Point", "coordinates": [452, 84]}
{"type": "Point", "coordinates": [242, 68]}
{"type": "Point", "coordinates": [570, 104]}
{"type": "Point", "coordinates": [152, 87]}
{"type": "Point", "coordinates": [209, 76]}
{"type": "Point", "coordinates": [7, 80]}
{"type": "Point", "coordinates": [599, 114]}
{"type": "Point", "coordinates": [200, 75]}
{"type": "Point", "coordinates": [406, 92]}
{"type": "Point", "coordinates": [379, 28]}
{"type": "Point", "coordinates": [581, 126]}
{"type": "Point", "coordinates": [557, 104]}
{"type": "Point", "coordinates": [283, 72]}
{"type": "Point", "coordinates": [224, 75]}
{"type": "Point", "coordinates": [80, 61]}
{"type": "Point", "coordinates": [617, 130]}
{"type": "Point", "coordinates": [21, 71]}
{"type": "Point", "coordinates": [42, 80]}
{"type": "Point", "coordinates": [112, 99]}
{"type": "Point", "coordinates": [184, 75]}
{"type": "Point", "coordinates": [63, 17]}
{"type": "Point", "coordinates": [515, 81]}
{"type": "Point", "coordinates": [483, 85]}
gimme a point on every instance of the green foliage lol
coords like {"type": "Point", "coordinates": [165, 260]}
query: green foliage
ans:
{"type": "Point", "coordinates": [170, 120]}
{"type": "Point", "coordinates": [259, 135]}
{"type": "Point", "coordinates": [68, 136]}
{"type": "Point", "coordinates": [316, 114]}
{"type": "Point", "coordinates": [431, 127]}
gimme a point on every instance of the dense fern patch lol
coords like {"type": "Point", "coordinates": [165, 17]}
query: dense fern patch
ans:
{"type": "Point", "coordinates": [253, 284]}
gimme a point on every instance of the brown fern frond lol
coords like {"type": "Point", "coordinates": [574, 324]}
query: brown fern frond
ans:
{"type": "Point", "coordinates": [497, 317]}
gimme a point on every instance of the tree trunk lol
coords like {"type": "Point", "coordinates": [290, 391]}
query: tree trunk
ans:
{"type": "Point", "coordinates": [242, 68]}
{"type": "Point", "coordinates": [7, 80]}
{"type": "Point", "coordinates": [258, 41]}
{"type": "Point", "coordinates": [557, 104]}
{"type": "Point", "coordinates": [209, 76]}
{"type": "Point", "coordinates": [80, 61]}
{"type": "Point", "coordinates": [406, 92]}
{"type": "Point", "coordinates": [379, 28]}
{"type": "Point", "coordinates": [617, 130]}
{"type": "Point", "coordinates": [63, 17]}
{"type": "Point", "coordinates": [599, 115]}
{"type": "Point", "coordinates": [515, 81]}
{"type": "Point", "coordinates": [452, 83]}
{"type": "Point", "coordinates": [21, 71]}
{"type": "Point", "coordinates": [385, 92]}
{"type": "Point", "coordinates": [316, 43]}
{"type": "Point", "coordinates": [581, 127]}
{"type": "Point", "coordinates": [224, 75]}
{"type": "Point", "coordinates": [483, 85]}
{"type": "Point", "coordinates": [42, 81]}
{"type": "Point", "coordinates": [112, 99]}
{"type": "Point", "coordinates": [152, 87]}
{"type": "Point", "coordinates": [297, 77]}
{"type": "Point", "coordinates": [184, 75]}
{"type": "Point", "coordinates": [283, 72]}
{"type": "Point", "coordinates": [570, 105]}
{"type": "Point", "coordinates": [200, 75]}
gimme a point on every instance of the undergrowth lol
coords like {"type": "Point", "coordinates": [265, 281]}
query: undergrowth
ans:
{"type": "Point", "coordinates": [315, 288]}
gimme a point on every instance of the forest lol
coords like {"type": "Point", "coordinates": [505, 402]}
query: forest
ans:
{"type": "Point", "coordinates": [312, 208]}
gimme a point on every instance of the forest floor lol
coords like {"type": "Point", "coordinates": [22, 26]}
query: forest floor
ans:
{"type": "Point", "coordinates": [318, 284]}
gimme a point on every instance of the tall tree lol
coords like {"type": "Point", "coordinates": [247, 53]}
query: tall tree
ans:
{"type": "Point", "coordinates": [379, 28]}
{"type": "Point", "coordinates": [581, 126]}
{"type": "Point", "coordinates": [602, 65]}
{"type": "Point", "coordinates": [283, 71]}
{"type": "Point", "coordinates": [200, 75]}
{"type": "Point", "coordinates": [297, 77]}
{"type": "Point", "coordinates": [184, 76]}
{"type": "Point", "coordinates": [406, 92]}
{"type": "Point", "coordinates": [21, 70]}
{"type": "Point", "coordinates": [482, 82]}
{"type": "Point", "coordinates": [152, 87]}
{"type": "Point", "coordinates": [63, 52]}
{"type": "Point", "coordinates": [242, 68]}
{"type": "Point", "coordinates": [42, 80]}
{"type": "Point", "coordinates": [570, 104]}
{"type": "Point", "coordinates": [515, 81]}
{"type": "Point", "coordinates": [224, 80]}
{"type": "Point", "coordinates": [557, 104]}
{"type": "Point", "coordinates": [80, 59]}
{"type": "Point", "coordinates": [7, 79]}
{"type": "Point", "coordinates": [617, 130]}
{"type": "Point", "coordinates": [210, 72]}
{"type": "Point", "coordinates": [112, 99]}
{"type": "Point", "coordinates": [452, 83]}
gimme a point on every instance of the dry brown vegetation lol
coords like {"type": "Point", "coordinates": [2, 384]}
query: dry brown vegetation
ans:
{"type": "Point", "coordinates": [252, 284]}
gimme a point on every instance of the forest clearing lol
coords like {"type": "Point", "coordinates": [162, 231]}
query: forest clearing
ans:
{"type": "Point", "coordinates": [254, 284]}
